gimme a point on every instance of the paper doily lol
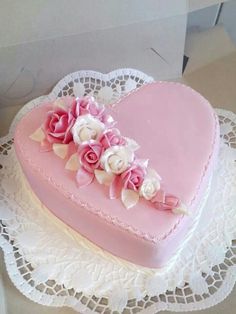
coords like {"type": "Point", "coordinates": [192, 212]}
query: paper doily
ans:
{"type": "Point", "coordinates": [51, 264]}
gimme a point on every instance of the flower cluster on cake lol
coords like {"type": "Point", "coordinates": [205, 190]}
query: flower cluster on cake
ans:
{"type": "Point", "coordinates": [102, 152]}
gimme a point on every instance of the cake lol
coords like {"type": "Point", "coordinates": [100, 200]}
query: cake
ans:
{"type": "Point", "coordinates": [130, 177]}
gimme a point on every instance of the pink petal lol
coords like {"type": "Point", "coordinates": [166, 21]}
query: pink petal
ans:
{"type": "Point", "coordinates": [97, 148]}
{"type": "Point", "coordinates": [83, 111]}
{"type": "Point", "coordinates": [52, 122]}
{"type": "Point", "coordinates": [58, 135]}
{"type": "Point", "coordinates": [62, 124]}
{"type": "Point", "coordinates": [162, 206]}
{"type": "Point", "coordinates": [172, 200]}
{"type": "Point", "coordinates": [74, 111]}
{"type": "Point", "coordinates": [67, 137]}
{"type": "Point", "coordinates": [59, 111]}
{"type": "Point", "coordinates": [93, 109]}
{"type": "Point", "coordinates": [84, 177]}
{"type": "Point", "coordinates": [130, 185]}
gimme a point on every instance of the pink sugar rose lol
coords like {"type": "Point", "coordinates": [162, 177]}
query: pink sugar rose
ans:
{"type": "Point", "coordinates": [89, 155]}
{"type": "Point", "coordinates": [87, 105]}
{"type": "Point", "coordinates": [111, 137]}
{"type": "Point", "coordinates": [133, 177]}
{"type": "Point", "coordinates": [57, 126]}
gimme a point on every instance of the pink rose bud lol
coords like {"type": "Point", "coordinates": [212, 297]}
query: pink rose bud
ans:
{"type": "Point", "coordinates": [163, 201]}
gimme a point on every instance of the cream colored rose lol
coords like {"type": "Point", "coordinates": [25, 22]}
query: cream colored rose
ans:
{"type": "Point", "coordinates": [150, 186]}
{"type": "Point", "coordinates": [86, 128]}
{"type": "Point", "coordinates": [116, 159]}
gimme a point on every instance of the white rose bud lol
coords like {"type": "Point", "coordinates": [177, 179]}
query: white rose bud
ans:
{"type": "Point", "coordinates": [150, 186]}
{"type": "Point", "coordinates": [116, 159]}
{"type": "Point", "coordinates": [86, 128]}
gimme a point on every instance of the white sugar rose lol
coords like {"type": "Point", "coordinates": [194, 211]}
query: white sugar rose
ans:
{"type": "Point", "coordinates": [150, 185]}
{"type": "Point", "coordinates": [116, 159]}
{"type": "Point", "coordinates": [86, 128]}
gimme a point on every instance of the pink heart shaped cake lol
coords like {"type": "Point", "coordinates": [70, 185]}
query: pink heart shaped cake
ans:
{"type": "Point", "coordinates": [134, 188]}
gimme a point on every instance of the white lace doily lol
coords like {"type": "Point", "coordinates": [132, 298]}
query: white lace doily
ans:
{"type": "Point", "coordinates": [52, 265]}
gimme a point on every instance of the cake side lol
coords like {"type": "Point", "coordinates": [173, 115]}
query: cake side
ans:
{"type": "Point", "coordinates": [128, 234]}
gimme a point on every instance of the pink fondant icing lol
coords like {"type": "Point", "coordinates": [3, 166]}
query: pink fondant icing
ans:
{"type": "Point", "coordinates": [176, 129]}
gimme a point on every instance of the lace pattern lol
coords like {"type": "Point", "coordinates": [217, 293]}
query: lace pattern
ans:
{"type": "Point", "coordinates": [37, 246]}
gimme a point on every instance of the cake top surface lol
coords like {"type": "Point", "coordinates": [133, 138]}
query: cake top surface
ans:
{"type": "Point", "coordinates": [176, 129]}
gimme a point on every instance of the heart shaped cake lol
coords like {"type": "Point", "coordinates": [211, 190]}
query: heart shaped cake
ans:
{"type": "Point", "coordinates": [130, 177]}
